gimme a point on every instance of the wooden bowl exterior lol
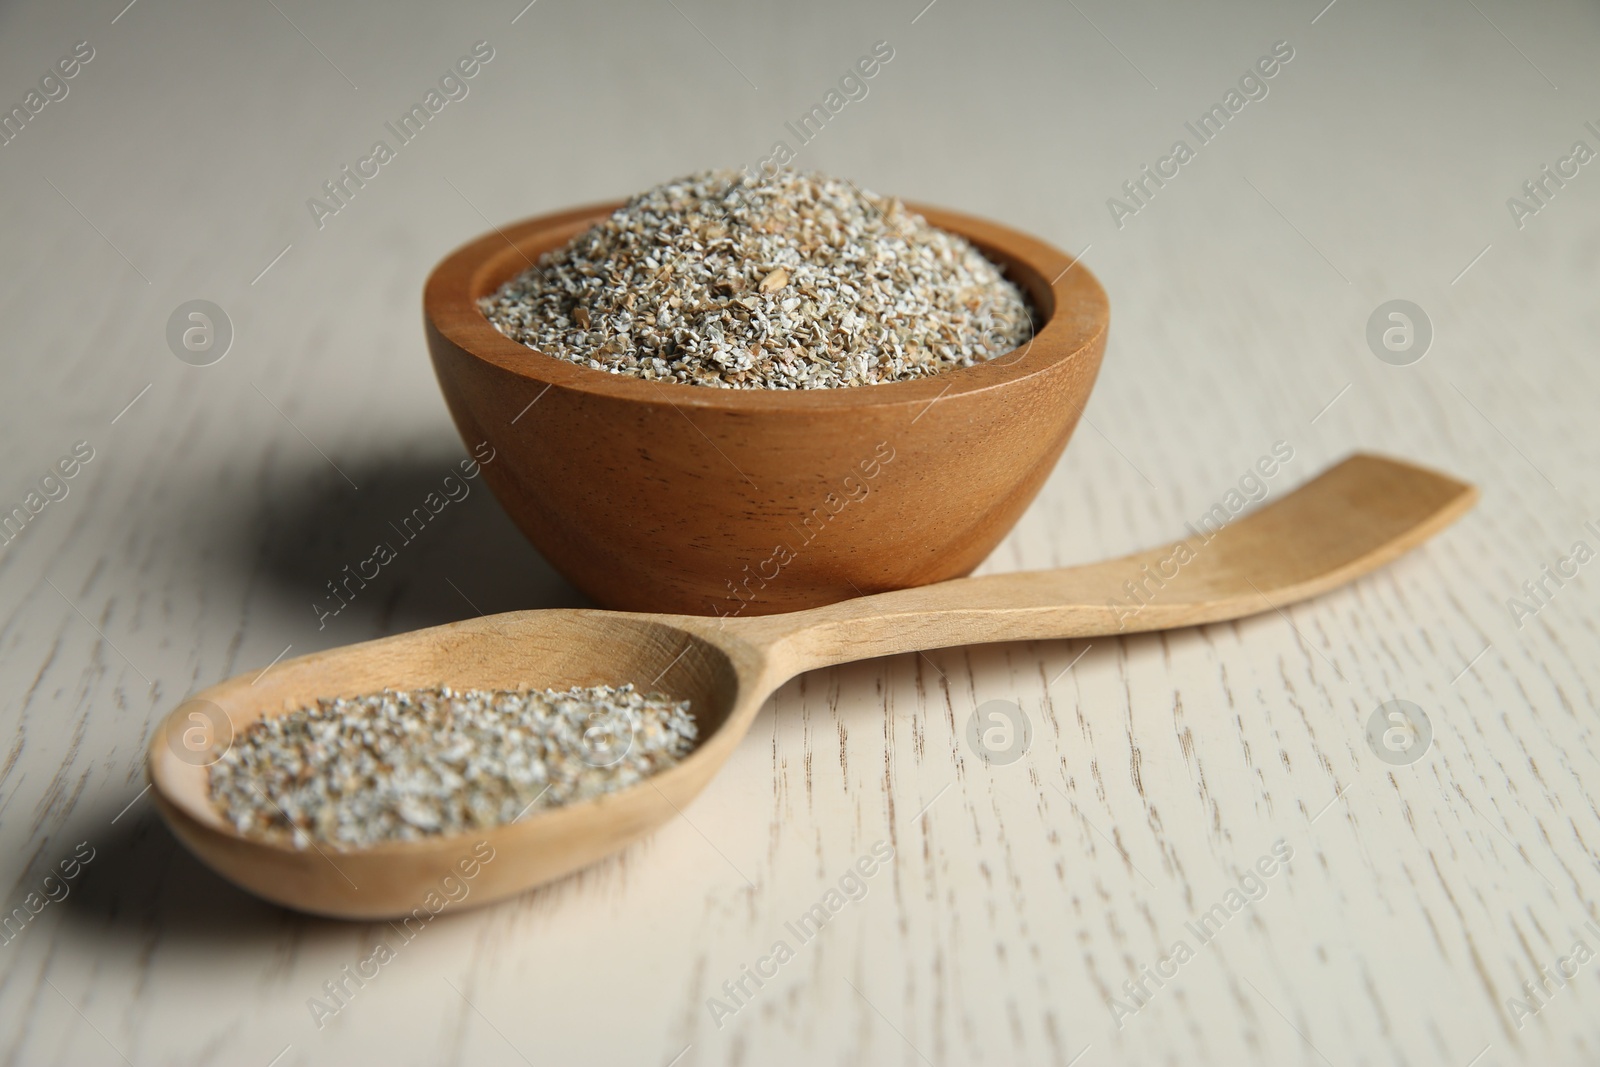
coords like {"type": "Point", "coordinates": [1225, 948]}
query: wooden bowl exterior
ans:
{"type": "Point", "coordinates": [679, 498]}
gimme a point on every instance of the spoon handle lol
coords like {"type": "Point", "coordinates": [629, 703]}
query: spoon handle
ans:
{"type": "Point", "coordinates": [1349, 520]}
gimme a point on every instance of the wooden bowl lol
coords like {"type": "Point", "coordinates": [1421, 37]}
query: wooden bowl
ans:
{"type": "Point", "coordinates": [678, 498]}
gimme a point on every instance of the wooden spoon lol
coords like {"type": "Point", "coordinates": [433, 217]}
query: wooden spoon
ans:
{"type": "Point", "coordinates": [1349, 520]}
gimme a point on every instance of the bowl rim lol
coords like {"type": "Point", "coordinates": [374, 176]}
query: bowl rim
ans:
{"type": "Point", "coordinates": [1074, 322]}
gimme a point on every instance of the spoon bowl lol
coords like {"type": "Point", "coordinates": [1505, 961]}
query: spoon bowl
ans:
{"type": "Point", "coordinates": [1349, 520]}
{"type": "Point", "coordinates": [519, 650]}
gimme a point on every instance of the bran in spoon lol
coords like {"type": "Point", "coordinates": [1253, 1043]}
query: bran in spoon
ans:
{"type": "Point", "coordinates": [401, 766]}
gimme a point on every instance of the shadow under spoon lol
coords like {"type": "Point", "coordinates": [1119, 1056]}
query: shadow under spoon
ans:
{"type": "Point", "coordinates": [1349, 520]}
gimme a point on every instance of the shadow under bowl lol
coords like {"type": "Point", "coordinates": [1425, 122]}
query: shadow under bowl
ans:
{"type": "Point", "coordinates": [667, 497]}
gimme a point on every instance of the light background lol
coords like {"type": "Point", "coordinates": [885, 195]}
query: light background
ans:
{"type": "Point", "coordinates": [193, 544]}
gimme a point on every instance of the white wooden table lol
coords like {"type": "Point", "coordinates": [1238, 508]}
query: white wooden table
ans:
{"type": "Point", "coordinates": [1419, 896]}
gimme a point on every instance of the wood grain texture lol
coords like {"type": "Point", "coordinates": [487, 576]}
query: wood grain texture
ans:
{"type": "Point", "coordinates": [196, 542]}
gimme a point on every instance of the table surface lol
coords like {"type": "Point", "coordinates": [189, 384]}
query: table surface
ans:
{"type": "Point", "coordinates": [1411, 898]}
